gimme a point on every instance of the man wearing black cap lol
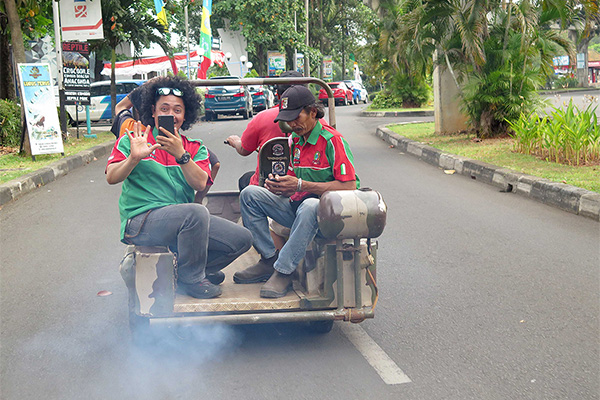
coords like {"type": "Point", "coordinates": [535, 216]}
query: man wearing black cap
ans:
{"type": "Point", "coordinates": [321, 161]}
{"type": "Point", "coordinates": [260, 129]}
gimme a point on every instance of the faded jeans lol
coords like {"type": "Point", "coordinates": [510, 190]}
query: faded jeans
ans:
{"type": "Point", "coordinates": [257, 203]}
{"type": "Point", "coordinates": [203, 242]}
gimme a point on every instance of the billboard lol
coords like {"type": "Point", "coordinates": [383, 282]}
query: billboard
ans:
{"type": "Point", "coordinates": [41, 115]}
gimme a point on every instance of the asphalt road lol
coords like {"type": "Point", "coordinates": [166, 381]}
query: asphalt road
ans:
{"type": "Point", "coordinates": [484, 295]}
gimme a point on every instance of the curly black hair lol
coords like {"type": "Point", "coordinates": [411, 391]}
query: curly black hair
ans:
{"type": "Point", "coordinates": [148, 96]}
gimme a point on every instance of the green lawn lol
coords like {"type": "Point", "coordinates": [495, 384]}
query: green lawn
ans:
{"type": "Point", "coordinates": [14, 165]}
{"type": "Point", "coordinates": [500, 152]}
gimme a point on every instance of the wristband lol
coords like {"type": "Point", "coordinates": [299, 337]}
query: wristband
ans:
{"type": "Point", "coordinates": [299, 187]}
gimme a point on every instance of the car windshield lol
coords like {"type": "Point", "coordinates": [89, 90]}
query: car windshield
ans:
{"type": "Point", "coordinates": [334, 85]}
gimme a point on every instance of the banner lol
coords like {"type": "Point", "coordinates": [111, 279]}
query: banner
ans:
{"type": "Point", "coordinates": [159, 63]}
{"type": "Point", "coordinates": [81, 20]}
{"type": "Point", "coordinates": [327, 68]}
{"type": "Point", "coordinates": [41, 115]}
{"type": "Point", "coordinates": [76, 72]}
{"type": "Point", "coordinates": [276, 63]}
{"type": "Point", "coordinates": [205, 39]}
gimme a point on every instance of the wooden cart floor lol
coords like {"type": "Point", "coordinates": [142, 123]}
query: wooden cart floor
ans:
{"type": "Point", "coordinates": [237, 297]}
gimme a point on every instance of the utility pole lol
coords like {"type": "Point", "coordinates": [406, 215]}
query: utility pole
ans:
{"type": "Point", "coordinates": [187, 39]}
{"type": "Point", "coordinates": [306, 61]}
{"type": "Point", "coordinates": [59, 67]}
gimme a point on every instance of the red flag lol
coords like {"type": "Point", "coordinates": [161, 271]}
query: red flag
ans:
{"type": "Point", "coordinates": [204, 67]}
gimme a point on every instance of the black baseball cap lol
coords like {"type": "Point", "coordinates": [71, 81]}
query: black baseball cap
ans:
{"type": "Point", "coordinates": [293, 102]}
{"type": "Point", "coordinates": [282, 87]}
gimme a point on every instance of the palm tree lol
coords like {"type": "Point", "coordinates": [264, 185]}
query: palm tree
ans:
{"type": "Point", "coordinates": [496, 51]}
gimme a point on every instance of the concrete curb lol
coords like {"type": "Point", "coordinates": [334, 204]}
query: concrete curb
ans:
{"type": "Point", "coordinates": [16, 188]}
{"type": "Point", "coordinates": [397, 113]}
{"type": "Point", "coordinates": [566, 197]}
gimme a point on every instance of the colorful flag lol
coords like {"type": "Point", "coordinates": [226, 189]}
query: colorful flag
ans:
{"type": "Point", "coordinates": [161, 14]}
{"type": "Point", "coordinates": [205, 39]}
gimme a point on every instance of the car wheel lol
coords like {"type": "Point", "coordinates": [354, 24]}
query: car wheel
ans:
{"type": "Point", "coordinates": [246, 114]}
{"type": "Point", "coordinates": [207, 116]}
{"type": "Point", "coordinates": [366, 99]}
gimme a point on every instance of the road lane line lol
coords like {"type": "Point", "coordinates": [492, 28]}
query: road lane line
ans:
{"type": "Point", "coordinates": [387, 369]}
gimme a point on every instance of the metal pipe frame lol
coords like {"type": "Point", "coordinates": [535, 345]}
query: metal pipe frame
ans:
{"type": "Point", "coordinates": [351, 315]}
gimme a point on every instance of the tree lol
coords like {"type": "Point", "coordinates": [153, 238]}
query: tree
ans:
{"type": "Point", "coordinates": [497, 52]}
{"type": "Point", "coordinates": [20, 21]}
{"type": "Point", "coordinates": [266, 25]}
{"type": "Point", "coordinates": [129, 21]}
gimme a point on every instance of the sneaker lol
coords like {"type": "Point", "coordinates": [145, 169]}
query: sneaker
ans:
{"type": "Point", "coordinates": [277, 286]}
{"type": "Point", "coordinates": [259, 272]}
{"type": "Point", "coordinates": [201, 290]}
{"type": "Point", "coordinates": [216, 278]}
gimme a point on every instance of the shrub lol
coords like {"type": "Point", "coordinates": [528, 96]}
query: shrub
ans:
{"type": "Point", "coordinates": [565, 82]}
{"type": "Point", "coordinates": [10, 123]}
{"type": "Point", "coordinates": [403, 92]}
{"type": "Point", "coordinates": [568, 135]}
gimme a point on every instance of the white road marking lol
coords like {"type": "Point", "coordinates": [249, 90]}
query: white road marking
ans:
{"type": "Point", "coordinates": [387, 369]}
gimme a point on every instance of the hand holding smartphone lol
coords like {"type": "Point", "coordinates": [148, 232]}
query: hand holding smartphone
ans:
{"type": "Point", "coordinates": [167, 122]}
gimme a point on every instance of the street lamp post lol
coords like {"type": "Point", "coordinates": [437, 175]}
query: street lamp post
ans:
{"type": "Point", "coordinates": [242, 62]}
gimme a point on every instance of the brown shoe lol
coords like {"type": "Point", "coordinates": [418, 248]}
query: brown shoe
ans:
{"type": "Point", "coordinates": [277, 286]}
{"type": "Point", "coordinates": [259, 272]}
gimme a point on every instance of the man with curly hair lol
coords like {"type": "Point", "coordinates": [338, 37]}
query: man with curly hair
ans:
{"type": "Point", "coordinates": [160, 171]}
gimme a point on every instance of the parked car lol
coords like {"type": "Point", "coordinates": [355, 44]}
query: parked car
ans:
{"type": "Point", "coordinates": [100, 104]}
{"type": "Point", "coordinates": [360, 93]}
{"type": "Point", "coordinates": [227, 100]}
{"type": "Point", "coordinates": [262, 97]}
{"type": "Point", "coordinates": [341, 93]}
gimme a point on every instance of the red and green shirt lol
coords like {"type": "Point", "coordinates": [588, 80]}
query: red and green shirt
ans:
{"type": "Point", "coordinates": [324, 157]}
{"type": "Point", "coordinates": [157, 180]}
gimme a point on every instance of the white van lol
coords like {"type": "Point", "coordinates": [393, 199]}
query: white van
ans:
{"type": "Point", "coordinates": [100, 100]}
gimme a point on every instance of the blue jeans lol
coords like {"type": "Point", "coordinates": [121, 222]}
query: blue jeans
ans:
{"type": "Point", "coordinates": [257, 203]}
{"type": "Point", "coordinates": [203, 242]}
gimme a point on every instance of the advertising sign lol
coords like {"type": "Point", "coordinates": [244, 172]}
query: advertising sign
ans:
{"type": "Point", "coordinates": [81, 19]}
{"type": "Point", "coordinates": [560, 61]}
{"type": "Point", "coordinates": [76, 72]}
{"type": "Point", "coordinates": [276, 63]}
{"type": "Point", "coordinates": [40, 111]}
{"type": "Point", "coordinates": [327, 68]}
{"type": "Point", "coordinates": [300, 62]}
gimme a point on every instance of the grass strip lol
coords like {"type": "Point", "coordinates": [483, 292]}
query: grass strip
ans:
{"type": "Point", "coordinates": [14, 165]}
{"type": "Point", "coordinates": [500, 152]}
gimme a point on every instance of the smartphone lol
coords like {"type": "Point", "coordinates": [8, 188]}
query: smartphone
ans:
{"type": "Point", "coordinates": [167, 122]}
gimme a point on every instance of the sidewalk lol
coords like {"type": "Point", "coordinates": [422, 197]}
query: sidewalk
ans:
{"type": "Point", "coordinates": [566, 197]}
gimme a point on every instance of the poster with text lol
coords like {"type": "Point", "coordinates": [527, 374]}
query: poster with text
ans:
{"type": "Point", "coordinates": [276, 63]}
{"type": "Point", "coordinates": [76, 72]}
{"type": "Point", "coordinates": [327, 68]}
{"type": "Point", "coordinates": [40, 110]}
